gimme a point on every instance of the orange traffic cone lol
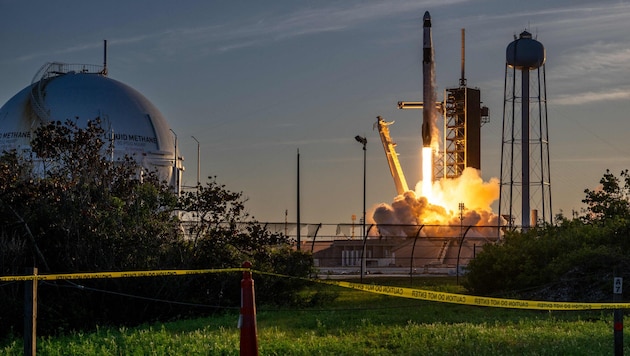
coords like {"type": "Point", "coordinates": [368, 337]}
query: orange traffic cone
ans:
{"type": "Point", "coordinates": [247, 319]}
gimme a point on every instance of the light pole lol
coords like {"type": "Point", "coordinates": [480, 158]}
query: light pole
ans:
{"type": "Point", "coordinates": [362, 140]}
{"type": "Point", "coordinates": [175, 165]}
{"type": "Point", "coordinates": [198, 164]}
{"type": "Point", "coordinates": [198, 187]}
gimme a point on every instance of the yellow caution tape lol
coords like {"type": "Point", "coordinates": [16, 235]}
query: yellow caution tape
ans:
{"type": "Point", "coordinates": [474, 300]}
{"type": "Point", "coordinates": [127, 274]}
{"type": "Point", "coordinates": [454, 298]}
{"type": "Point", "coordinates": [402, 292]}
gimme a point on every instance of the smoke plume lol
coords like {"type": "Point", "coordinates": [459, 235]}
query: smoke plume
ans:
{"type": "Point", "coordinates": [444, 207]}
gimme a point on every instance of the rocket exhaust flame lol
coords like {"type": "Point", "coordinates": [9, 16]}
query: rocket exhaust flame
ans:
{"type": "Point", "coordinates": [427, 172]}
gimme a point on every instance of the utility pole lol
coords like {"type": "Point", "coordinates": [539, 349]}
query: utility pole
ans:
{"type": "Point", "coordinates": [362, 140]}
{"type": "Point", "coordinates": [198, 160]}
{"type": "Point", "coordinates": [299, 242]}
{"type": "Point", "coordinates": [176, 165]}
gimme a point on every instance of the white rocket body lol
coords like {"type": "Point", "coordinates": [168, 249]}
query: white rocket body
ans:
{"type": "Point", "coordinates": [428, 90]}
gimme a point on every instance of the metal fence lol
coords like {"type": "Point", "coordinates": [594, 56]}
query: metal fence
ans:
{"type": "Point", "coordinates": [388, 249]}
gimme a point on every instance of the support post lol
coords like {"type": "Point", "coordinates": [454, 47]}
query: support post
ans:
{"type": "Point", "coordinates": [30, 314]}
{"type": "Point", "coordinates": [618, 316]}
{"type": "Point", "coordinates": [415, 239]}
{"type": "Point", "coordinates": [299, 224]}
{"type": "Point", "coordinates": [247, 319]}
{"type": "Point", "coordinates": [363, 269]}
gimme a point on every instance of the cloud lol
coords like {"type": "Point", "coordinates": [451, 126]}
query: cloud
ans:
{"type": "Point", "coordinates": [589, 97]}
{"type": "Point", "coordinates": [592, 160]}
{"type": "Point", "coordinates": [593, 72]}
{"type": "Point", "coordinates": [272, 27]}
{"type": "Point", "coordinates": [588, 53]}
{"type": "Point", "coordinates": [83, 47]}
{"type": "Point", "coordinates": [72, 49]}
{"type": "Point", "coordinates": [309, 21]}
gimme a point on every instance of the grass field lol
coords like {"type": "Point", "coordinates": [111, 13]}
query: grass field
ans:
{"type": "Point", "coordinates": [358, 323]}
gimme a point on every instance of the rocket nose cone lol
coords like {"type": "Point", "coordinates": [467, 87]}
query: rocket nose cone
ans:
{"type": "Point", "coordinates": [427, 19]}
{"type": "Point", "coordinates": [427, 16]}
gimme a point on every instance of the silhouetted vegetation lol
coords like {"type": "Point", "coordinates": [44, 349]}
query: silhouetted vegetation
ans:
{"type": "Point", "coordinates": [358, 323]}
{"type": "Point", "coordinates": [572, 261]}
{"type": "Point", "coordinates": [68, 207]}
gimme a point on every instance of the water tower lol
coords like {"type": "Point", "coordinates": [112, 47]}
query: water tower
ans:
{"type": "Point", "coordinates": [525, 143]}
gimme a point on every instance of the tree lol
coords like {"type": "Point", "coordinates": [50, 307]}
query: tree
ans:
{"type": "Point", "coordinates": [610, 200]}
{"type": "Point", "coordinates": [221, 234]}
{"type": "Point", "coordinates": [85, 208]}
{"type": "Point", "coordinates": [68, 207]}
{"type": "Point", "coordinates": [571, 261]}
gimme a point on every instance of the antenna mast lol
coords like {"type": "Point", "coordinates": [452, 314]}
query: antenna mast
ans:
{"type": "Point", "coordinates": [462, 80]}
{"type": "Point", "coordinates": [104, 58]}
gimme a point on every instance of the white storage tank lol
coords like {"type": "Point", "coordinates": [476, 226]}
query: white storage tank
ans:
{"type": "Point", "coordinates": [80, 92]}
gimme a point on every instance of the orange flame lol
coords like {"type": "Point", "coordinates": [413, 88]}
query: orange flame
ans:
{"type": "Point", "coordinates": [427, 172]}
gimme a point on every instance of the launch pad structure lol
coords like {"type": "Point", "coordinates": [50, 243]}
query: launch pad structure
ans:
{"type": "Point", "coordinates": [463, 115]}
{"type": "Point", "coordinates": [463, 118]}
{"type": "Point", "coordinates": [447, 248]}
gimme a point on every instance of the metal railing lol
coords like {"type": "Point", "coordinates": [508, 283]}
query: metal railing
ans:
{"type": "Point", "coordinates": [48, 71]}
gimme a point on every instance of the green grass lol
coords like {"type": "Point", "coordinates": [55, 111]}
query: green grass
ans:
{"type": "Point", "coordinates": [358, 323]}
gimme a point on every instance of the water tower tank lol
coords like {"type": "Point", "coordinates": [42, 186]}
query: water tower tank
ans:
{"type": "Point", "coordinates": [84, 92]}
{"type": "Point", "coordinates": [525, 52]}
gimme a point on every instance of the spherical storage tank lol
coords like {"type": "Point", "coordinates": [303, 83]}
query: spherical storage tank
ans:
{"type": "Point", "coordinates": [84, 92]}
{"type": "Point", "coordinates": [525, 52]}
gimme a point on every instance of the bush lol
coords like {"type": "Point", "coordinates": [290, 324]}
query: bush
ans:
{"type": "Point", "coordinates": [69, 209]}
{"type": "Point", "coordinates": [567, 256]}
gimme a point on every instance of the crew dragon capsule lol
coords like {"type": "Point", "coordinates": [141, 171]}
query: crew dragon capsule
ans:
{"type": "Point", "coordinates": [428, 92]}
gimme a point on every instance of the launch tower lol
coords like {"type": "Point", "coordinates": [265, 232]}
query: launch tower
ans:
{"type": "Point", "coordinates": [463, 118]}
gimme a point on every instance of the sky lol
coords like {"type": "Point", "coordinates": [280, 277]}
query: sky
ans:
{"type": "Point", "coordinates": [256, 81]}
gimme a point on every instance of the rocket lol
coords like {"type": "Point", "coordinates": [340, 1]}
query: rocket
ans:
{"type": "Point", "coordinates": [428, 92]}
